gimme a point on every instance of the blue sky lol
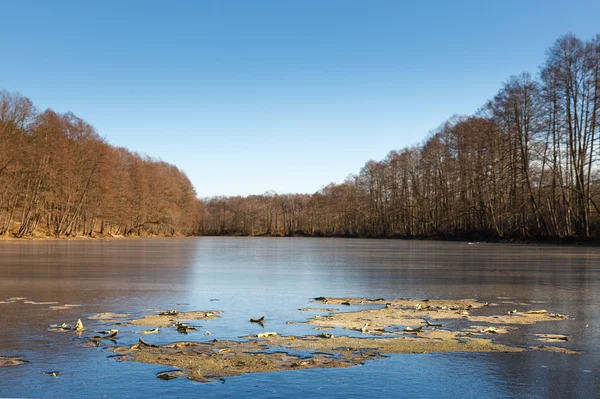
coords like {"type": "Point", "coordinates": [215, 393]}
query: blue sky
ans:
{"type": "Point", "coordinates": [250, 96]}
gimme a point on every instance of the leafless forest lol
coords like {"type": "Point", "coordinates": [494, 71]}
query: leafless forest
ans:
{"type": "Point", "coordinates": [58, 177]}
{"type": "Point", "coordinates": [526, 165]}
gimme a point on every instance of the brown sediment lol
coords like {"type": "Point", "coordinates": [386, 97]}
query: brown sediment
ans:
{"type": "Point", "coordinates": [378, 320]}
{"type": "Point", "coordinates": [412, 312]}
{"type": "Point", "coordinates": [215, 359]}
{"type": "Point", "coordinates": [6, 361]}
{"type": "Point", "coordinates": [556, 349]}
{"type": "Point", "coordinates": [405, 302]}
{"type": "Point", "coordinates": [424, 342]}
{"type": "Point", "coordinates": [516, 318]}
{"type": "Point", "coordinates": [205, 361]}
{"type": "Point", "coordinates": [165, 320]}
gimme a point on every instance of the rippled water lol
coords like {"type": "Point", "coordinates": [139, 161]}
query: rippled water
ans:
{"type": "Point", "coordinates": [274, 277]}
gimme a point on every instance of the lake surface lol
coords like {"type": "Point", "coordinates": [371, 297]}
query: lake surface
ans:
{"type": "Point", "coordinates": [274, 277]}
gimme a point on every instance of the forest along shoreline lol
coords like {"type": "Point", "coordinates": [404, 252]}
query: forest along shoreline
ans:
{"type": "Point", "coordinates": [524, 167]}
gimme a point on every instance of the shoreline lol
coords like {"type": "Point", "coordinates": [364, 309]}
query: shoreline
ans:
{"type": "Point", "coordinates": [83, 238]}
{"type": "Point", "coordinates": [570, 242]}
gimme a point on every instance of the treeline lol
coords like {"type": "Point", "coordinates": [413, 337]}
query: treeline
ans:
{"type": "Point", "coordinates": [526, 165]}
{"type": "Point", "coordinates": [58, 177]}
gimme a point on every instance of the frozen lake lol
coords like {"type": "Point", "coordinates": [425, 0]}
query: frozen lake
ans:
{"type": "Point", "coordinates": [274, 277]}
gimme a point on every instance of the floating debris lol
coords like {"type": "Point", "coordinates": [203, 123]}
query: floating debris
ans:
{"type": "Point", "coordinates": [51, 373]}
{"type": "Point", "coordinates": [184, 328]}
{"type": "Point", "coordinates": [145, 344]}
{"type": "Point", "coordinates": [324, 310]}
{"type": "Point", "coordinates": [214, 359]}
{"type": "Point", "coordinates": [169, 313]}
{"type": "Point", "coordinates": [266, 334]}
{"type": "Point", "coordinates": [112, 334]}
{"type": "Point", "coordinates": [170, 375]}
{"type": "Point", "coordinates": [152, 331]}
{"type": "Point", "coordinates": [39, 303]}
{"type": "Point", "coordinates": [541, 311]}
{"type": "Point", "coordinates": [303, 363]}
{"type": "Point", "coordinates": [552, 337]}
{"type": "Point", "coordinates": [489, 330]}
{"type": "Point", "coordinates": [59, 307]}
{"type": "Point", "coordinates": [411, 312]}
{"type": "Point", "coordinates": [78, 327]}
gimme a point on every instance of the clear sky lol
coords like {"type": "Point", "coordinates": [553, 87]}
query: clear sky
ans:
{"type": "Point", "coordinates": [250, 96]}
